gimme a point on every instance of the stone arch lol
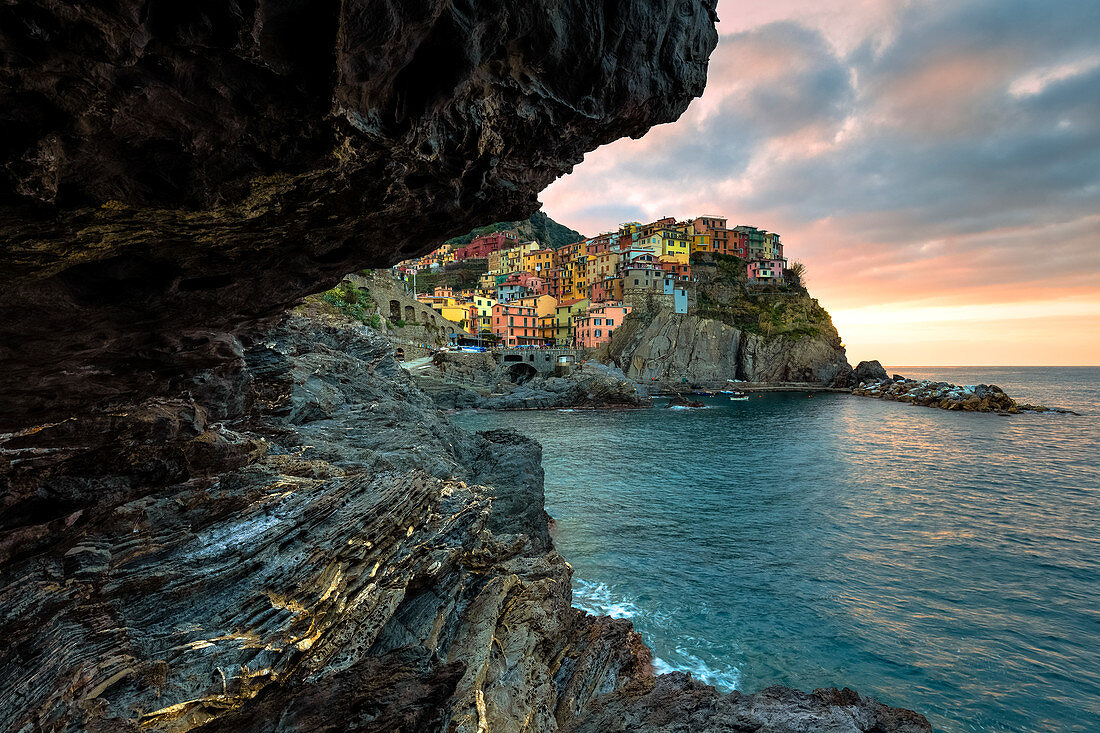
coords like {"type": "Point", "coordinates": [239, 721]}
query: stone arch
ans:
{"type": "Point", "coordinates": [410, 314]}
{"type": "Point", "coordinates": [395, 310]}
{"type": "Point", "coordinates": [521, 372]}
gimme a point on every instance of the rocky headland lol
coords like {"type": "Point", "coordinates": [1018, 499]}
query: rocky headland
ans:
{"type": "Point", "coordinates": [217, 515]}
{"type": "Point", "coordinates": [780, 336]}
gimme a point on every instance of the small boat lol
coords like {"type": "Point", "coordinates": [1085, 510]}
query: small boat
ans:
{"type": "Point", "coordinates": [703, 393]}
{"type": "Point", "coordinates": [738, 395]}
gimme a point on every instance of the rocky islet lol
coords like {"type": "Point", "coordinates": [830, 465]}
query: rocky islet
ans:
{"type": "Point", "coordinates": [927, 393]}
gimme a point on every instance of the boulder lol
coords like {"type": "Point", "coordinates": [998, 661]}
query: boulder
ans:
{"type": "Point", "coordinates": [867, 371]}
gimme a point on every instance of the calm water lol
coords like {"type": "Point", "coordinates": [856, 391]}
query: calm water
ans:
{"type": "Point", "coordinates": [944, 562]}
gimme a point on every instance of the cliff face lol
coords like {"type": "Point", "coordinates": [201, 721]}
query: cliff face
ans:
{"type": "Point", "coordinates": [214, 517]}
{"type": "Point", "coordinates": [170, 172]}
{"type": "Point", "coordinates": [739, 330]}
{"type": "Point", "coordinates": [669, 348]}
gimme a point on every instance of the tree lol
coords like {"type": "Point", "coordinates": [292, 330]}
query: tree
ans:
{"type": "Point", "coordinates": [796, 275]}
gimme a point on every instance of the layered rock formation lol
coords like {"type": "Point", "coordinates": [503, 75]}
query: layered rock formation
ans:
{"type": "Point", "coordinates": [209, 523]}
{"type": "Point", "coordinates": [666, 347]}
{"type": "Point", "coordinates": [170, 172]}
{"type": "Point", "coordinates": [371, 567]}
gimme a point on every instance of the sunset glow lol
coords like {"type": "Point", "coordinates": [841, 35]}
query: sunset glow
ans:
{"type": "Point", "coordinates": [934, 164]}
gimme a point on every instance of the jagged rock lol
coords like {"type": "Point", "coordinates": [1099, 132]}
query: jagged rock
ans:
{"type": "Point", "coordinates": [681, 401]}
{"type": "Point", "coordinates": [674, 702]}
{"type": "Point", "coordinates": [171, 172]}
{"type": "Point", "coordinates": [466, 380]}
{"type": "Point", "coordinates": [589, 385]}
{"type": "Point", "coordinates": [372, 549]}
{"type": "Point", "coordinates": [971, 398]}
{"type": "Point", "coordinates": [867, 371]}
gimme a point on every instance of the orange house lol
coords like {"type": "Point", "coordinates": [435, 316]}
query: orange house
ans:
{"type": "Point", "coordinates": [515, 325]}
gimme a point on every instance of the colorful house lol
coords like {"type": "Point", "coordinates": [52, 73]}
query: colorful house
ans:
{"type": "Point", "coordinates": [563, 319]}
{"type": "Point", "coordinates": [544, 305]}
{"type": "Point", "coordinates": [766, 270]}
{"type": "Point", "coordinates": [515, 325]}
{"type": "Point", "coordinates": [538, 260]}
{"type": "Point", "coordinates": [596, 326]}
{"type": "Point", "coordinates": [610, 288]}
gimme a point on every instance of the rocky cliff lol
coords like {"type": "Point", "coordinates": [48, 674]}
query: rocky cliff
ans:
{"type": "Point", "coordinates": [170, 172]}
{"type": "Point", "coordinates": [214, 517]}
{"type": "Point", "coordinates": [666, 347]}
{"type": "Point", "coordinates": [738, 330]}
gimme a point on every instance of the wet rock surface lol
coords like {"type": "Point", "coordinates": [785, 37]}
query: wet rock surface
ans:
{"type": "Point", "coordinates": [926, 393]}
{"type": "Point", "coordinates": [674, 702]}
{"type": "Point", "coordinates": [170, 173]}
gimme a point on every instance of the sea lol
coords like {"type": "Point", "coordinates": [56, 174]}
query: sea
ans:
{"type": "Point", "coordinates": [940, 561]}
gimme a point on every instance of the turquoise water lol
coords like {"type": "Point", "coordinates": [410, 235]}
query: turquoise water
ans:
{"type": "Point", "coordinates": [939, 561]}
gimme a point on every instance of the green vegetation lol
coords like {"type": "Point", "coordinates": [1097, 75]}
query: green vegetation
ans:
{"type": "Point", "coordinates": [538, 227]}
{"type": "Point", "coordinates": [455, 275]}
{"type": "Point", "coordinates": [772, 310]}
{"type": "Point", "coordinates": [354, 303]}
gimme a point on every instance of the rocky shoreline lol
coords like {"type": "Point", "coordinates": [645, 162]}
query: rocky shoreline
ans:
{"type": "Point", "coordinates": [338, 555]}
{"type": "Point", "coordinates": [987, 398]}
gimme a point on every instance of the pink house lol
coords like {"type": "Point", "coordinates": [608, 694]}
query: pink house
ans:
{"type": "Point", "coordinates": [594, 328]}
{"type": "Point", "coordinates": [766, 270]}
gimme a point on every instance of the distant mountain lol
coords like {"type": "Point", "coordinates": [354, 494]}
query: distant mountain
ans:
{"type": "Point", "coordinates": [538, 227]}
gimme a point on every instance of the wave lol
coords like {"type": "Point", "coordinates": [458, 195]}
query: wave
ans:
{"type": "Point", "coordinates": [597, 599]}
{"type": "Point", "coordinates": [725, 679]}
{"type": "Point", "coordinates": [600, 599]}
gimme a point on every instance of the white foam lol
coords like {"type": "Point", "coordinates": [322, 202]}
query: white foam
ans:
{"type": "Point", "coordinates": [600, 599]}
{"type": "Point", "coordinates": [597, 599]}
{"type": "Point", "coordinates": [725, 679]}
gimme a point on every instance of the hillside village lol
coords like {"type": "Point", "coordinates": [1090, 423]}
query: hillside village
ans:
{"type": "Point", "coordinates": [531, 295]}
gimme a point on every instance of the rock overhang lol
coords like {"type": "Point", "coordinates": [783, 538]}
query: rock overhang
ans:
{"type": "Point", "coordinates": [174, 173]}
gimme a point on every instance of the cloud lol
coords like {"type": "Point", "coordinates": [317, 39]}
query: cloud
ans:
{"type": "Point", "coordinates": [907, 150]}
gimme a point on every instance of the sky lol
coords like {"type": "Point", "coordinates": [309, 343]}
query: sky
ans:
{"type": "Point", "coordinates": [934, 164]}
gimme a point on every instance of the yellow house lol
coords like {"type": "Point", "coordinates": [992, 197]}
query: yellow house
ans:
{"type": "Point", "coordinates": [538, 260]}
{"type": "Point", "coordinates": [701, 243]}
{"type": "Point", "coordinates": [458, 313]}
{"type": "Point", "coordinates": [546, 327]}
{"type": "Point", "coordinates": [544, 305]}
{"type": "Point", "coordinates": [563, 318]}
{"type": "Point", "coordinates": [484, 305]}
{"type": "Point", "coordinates": [675, 244]}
